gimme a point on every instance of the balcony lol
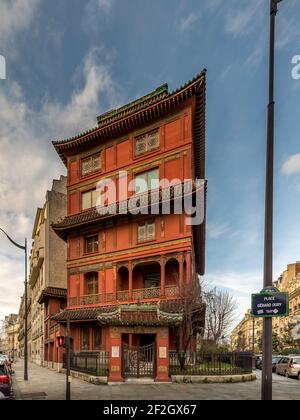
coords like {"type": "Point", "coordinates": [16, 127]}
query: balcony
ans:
{"type": "Point", "coordinates": [36, 264]}
{"type": "Point", "coordinates": [142, 295]}
{"type": "Point", "coordinates": [146, 281]}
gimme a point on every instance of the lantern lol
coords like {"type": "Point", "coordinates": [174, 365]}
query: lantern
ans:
{"type": "Point", "coordinates": [61, 341]}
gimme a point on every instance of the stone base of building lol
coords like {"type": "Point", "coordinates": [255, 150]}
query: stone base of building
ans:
{"type": "Point", "coordinates": [194, 379]}
{"type": "Point", "coordinates": [95, 380]}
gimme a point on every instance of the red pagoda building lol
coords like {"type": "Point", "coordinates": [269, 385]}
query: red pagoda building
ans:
{"type": "Point", "coordinates": [127, 272]}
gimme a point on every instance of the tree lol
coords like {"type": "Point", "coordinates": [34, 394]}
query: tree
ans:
{"type": "Point", "coordinates": [288, 339]}
{"type": "Point", "coordinates": [277, 344]}
{"type": "Point", "coordinates": [220, 314]}
{"type": "Point", "coordinates": [192, 308]}
{"type": "Point", "coordinates": [241, 341]}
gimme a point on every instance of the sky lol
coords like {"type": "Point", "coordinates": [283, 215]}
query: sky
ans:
{"type": "Point", "coordinates": [69, 61]}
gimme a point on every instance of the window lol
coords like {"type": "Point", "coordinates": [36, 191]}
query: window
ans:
{"type": "Point", "coordinates": [91, 165]}
{"type": "Point", "coordinates": [85, 338]}
{"type": "Point", "coordinates": [89, 199]}
{"type": "Point", "coordinates": [91, 244]}
{"type": "Point", "coordinates": [91, 283]}
{"type": "Point", "coordinates": [147, 143]}
{"type": "Point", "coordinates": [97, 338]}
{"type": "Point", "coordinates": [146, 181]}
{"type": "Point", "coordinates": [151, 280]}
{"type": "Point", "coordinates": [146, 232]}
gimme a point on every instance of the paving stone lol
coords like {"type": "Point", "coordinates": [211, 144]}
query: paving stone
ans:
{"type": "Point", "coordinates": [46, 384]}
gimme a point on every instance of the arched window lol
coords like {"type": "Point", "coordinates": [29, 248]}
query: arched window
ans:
{"type": "Point", "coordinates": [91, 284]}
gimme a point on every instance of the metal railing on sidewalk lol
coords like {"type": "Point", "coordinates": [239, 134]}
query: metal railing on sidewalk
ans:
{"type": "Point", "coordinates": [92, 363]}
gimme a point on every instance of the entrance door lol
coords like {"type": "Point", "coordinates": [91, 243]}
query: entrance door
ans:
{"type": "Point", "coordinates": [138, 361]}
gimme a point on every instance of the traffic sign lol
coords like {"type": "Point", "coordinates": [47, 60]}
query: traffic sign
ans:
{"type": "Point", "coordinates": [270, 303]}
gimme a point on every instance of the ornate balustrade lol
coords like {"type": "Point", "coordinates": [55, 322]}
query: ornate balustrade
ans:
{"type": "Point", "coordinates": [152, 293]}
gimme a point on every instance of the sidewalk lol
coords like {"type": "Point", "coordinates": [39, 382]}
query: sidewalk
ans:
{"type": "Point", "coordinates": [45, 384]}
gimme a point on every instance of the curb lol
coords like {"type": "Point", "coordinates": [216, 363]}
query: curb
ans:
{"type": "Point", "coordinates": [188, 379]}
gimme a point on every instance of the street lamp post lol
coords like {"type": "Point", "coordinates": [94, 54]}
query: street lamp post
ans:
{"type": "Point", "coordinates": [268, 241]}
{"type": "Point", "coordinates": [24, 248]}
{"type": "Point", "coordinates": [68, 344]}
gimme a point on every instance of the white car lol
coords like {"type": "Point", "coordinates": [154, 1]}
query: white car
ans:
{"type": "Point", "coordinates": [4, 358]}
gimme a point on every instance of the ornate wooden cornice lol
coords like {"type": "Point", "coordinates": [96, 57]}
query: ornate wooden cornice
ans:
{"type": "Point", "coordinates": [136, 114]}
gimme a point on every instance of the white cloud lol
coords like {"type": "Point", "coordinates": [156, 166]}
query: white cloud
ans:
{"type": "Point", "coordinates": [242, 17]}
{"type": "Point", "coordinates": [215, 230]}
{"type": "Point", "coordinates": [15, 16]}
{"type": "Point", "coordinates": [255, 58]}
{"type": "Point", "coordinates": [12, 283]}
{"type": "Point", "coordinates": [84, 104]}
{"type": "Point", "coordinates": [292, 165]}
{"type": "Point", "coordinates": [186, 23]}
{"type": "Point", "coordinates": [28, 162]}
{"type": "Point", "coordinates": [239, 284]}
{"type": "Point", "coordinates": [96, 9]}
{"type": "Point", "coordinates": [104, 5]}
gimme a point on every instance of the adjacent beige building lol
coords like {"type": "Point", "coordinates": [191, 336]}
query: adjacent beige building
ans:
{"type": "Point", "coordinates": [246, 335]}
{"type": "Point", "coordinates": [9, 343]}
{"type": "Point", "coordinates": [47, 263]}
{"type": "Point", "coordinates": [289, 282]}
{"type": "Point", "coordinates": [242, 336]}
{"type": "Point", "coordinates": [21, 318]}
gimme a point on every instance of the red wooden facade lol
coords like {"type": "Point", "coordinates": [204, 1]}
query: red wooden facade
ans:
{"type": "Point", "coordinates": [124, 269]}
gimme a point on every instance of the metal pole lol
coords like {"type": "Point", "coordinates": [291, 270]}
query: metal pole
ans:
{"type": "Point", "coordinates": [253, 334]}
{"type": "Point", "coordinates": [268, 242]}
{"type": "Point", "coordinates": [68, 384]}
{"type": "Point", "coordinates": [26, 320]}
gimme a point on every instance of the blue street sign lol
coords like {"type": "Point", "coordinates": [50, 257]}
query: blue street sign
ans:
{"type": "Point", "coordinates": [270, 304]}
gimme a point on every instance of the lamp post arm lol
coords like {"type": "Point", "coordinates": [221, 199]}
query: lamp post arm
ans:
{"type": "Point", "coordinates": [274, 6]}
{"type": "Point", "coordinates": [12, 241]}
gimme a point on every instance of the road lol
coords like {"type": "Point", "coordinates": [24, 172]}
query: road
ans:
{"type": "Point", "coordinates": [45, 384]}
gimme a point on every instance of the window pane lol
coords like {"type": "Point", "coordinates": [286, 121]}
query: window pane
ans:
{"type": "Point", "coordinates": [153, 179]}
{"type": "Point", "coordinates": [141, 183]}
{"type": "Point", "coordinates": [86, 200]}
{"type": "Point", "coordinates": [140, 145]}
{"type": "Point", "coordinates": [96, 195]}
{"type": "Point", "coordinates": [97, 339]}
{"type": "Point", "coordinates": [91, 164]}
{"type": "Point", "coordinates": [141, 233]}
{"type": "Point", "coordinates": [86, 166]}
{"type": "Point", "coordinates": [96, 163]}
{"type": "Point", "coordinates": [85, 338]}
{"type": "Point", "coordinates": [95, 244]}
{"type": "Point", "coordinates": [151, 280]}
{"type": "Point", "coordinates": [151, 231]}
{"type": "Point", "coordinates": [153, 140]}
{"type": "Point", "coordinates": [89, 245]}
{"type": "Point", "coordinates": [92, 285]}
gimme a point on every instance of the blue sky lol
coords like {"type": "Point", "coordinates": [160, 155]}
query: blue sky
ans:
{"type": "Point", "coordinates": [70, 60]}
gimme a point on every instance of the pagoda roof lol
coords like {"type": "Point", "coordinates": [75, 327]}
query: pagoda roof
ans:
{"type": "Point", "coordinates": [94, 215]}
{"type": "Point", "coordinates": [52, 292]}
{"type": "Point", "coordinates": [124, 315]}
{"type": "Point", "coordinates": [119, 121]}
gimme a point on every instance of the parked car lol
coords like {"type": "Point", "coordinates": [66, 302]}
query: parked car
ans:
{"type": "Point", "coordinates": [6, 390]}
{"type": "Point", "coordinates": [275, 361]}
{"type": "Point", "coordinates": [4, 358]}
{"type": "Point", "coordinates": [258, 362]}
{"type": "Point", "coordinates": [289, 366]}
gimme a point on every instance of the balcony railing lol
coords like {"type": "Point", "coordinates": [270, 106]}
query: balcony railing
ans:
{"type": "Point", "coordinates": [123, 296]}
{"type": "Point", "coordinates": [152, 293]}
{"type": "Point", "coordinates": [90, 300]}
